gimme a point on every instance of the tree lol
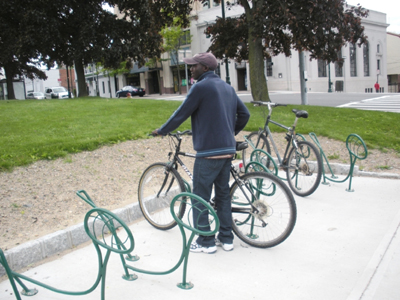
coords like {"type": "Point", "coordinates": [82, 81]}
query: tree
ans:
{"type": "Point", "coordinates": [75, 32]}
{"type": "Point", "coordinates": [24, 39]}
{"type": "Point", "coordinates": [91, 34]}
{"type": "Point", "coordinates": [172, 42]}
{"type": "Point", "coordinates": [268, 28]}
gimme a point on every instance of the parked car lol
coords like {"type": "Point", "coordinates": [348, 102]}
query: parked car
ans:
{"type": "Point", "coordinates": [35, 95]}
{"type": "Point", "coordinates": [58, 92]}
{"type": "Point", "coordinates": [133, 90]}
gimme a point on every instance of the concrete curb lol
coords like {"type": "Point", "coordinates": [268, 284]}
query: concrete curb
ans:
{"type": "Point", "coordinates": [342, 169]}
{"type": "Point", "coordinates": [49, 245]}
{"type": "Point", "coordinates": [34, 251]}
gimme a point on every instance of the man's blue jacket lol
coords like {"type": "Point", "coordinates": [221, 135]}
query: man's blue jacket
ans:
{"type": "Point", "coordinates": [217, 115]}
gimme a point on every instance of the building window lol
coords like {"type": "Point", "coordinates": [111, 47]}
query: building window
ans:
{"type": "Point", "coordinates": [339, 68]}
{"type": "Point", "coordinates": [353, 60]}
{"type": "Point", "coordinates": [104, 88]}
{"type": "Point", "coordinates": [269, 66]}
{"type": "Point", "coordinates": [378, 48]}
{"type": "Point", "coordinates": [215, 3]}
{"type": "Point", "coordinates": [378, 65]}
{"type": "Point", "coordinates": [206, 5]}
{"type": "Point", "coordinates": [321, 68]}
{"type": "Point", "coordinates": [185, 38]}
{"type": "Point", "coordinates": [366, 59]}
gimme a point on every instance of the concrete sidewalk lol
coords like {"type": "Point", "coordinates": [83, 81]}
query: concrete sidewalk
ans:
{"type": "Point", "coordinates": [344, 246]}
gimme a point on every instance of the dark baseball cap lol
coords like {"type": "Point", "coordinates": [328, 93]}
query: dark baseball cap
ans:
{"type": "Point", "coordinates": [207, 59]}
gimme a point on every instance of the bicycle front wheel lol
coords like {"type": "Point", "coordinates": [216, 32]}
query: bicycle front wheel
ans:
{"type": "Point", "coordinates": [256, 141]}
{"type": "Point", "coordinates": [263, 210]}
{"type": "Point", "coordinates": [158, 185]}
{"type": "Point", "coordinates": [304, 168]}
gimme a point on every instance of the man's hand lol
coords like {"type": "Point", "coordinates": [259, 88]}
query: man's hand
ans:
{"type": "Point", "coordinates": [154, 132]}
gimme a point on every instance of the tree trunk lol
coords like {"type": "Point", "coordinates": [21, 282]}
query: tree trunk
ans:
{"type": "Point", "coordinates": [9, 79]}
{"type": "Point", "coordinates": [258, 81]}
{"type": "Point", "coordinates": [80, 74]}
{"type": "Point", "coordinates": [179, 80]}
{"type": "Point", "coordinates": [159, 82]}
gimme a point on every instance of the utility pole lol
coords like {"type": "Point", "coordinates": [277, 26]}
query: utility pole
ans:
{"type": "Point", "coordinates": [228, 80]}
{"type": "Point", "coordinates": [69, 91]}
{"type": "Point", "coordinates": [330, 82]}
{"type": "Point", "coordinates": [303, 79]}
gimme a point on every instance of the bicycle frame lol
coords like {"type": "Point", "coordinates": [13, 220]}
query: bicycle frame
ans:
{"type": "Point", "coordinates": [290, 136]}
{"type": "Point", "coordinates": [176, 159]}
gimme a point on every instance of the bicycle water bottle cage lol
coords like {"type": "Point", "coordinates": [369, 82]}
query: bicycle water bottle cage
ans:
{"type": "Point", "coordinates": [300, 113]}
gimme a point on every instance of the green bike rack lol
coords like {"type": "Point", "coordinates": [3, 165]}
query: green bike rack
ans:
{"type": "Point", "coordinates": [259, 159]}
{"type": "Point", "coordinates": [357, 150]}
{"type": "Point", "coordinates": [104, 228]}
{"type": "Point", "coordinates": [263, 158]}
{"type": "Point", "coordinates": [188, 188]}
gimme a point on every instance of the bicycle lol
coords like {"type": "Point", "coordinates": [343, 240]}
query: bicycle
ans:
{"type": "Point", "coordinates": [301, 160]}
{"type": "Point", "coordinates": [263, 208]}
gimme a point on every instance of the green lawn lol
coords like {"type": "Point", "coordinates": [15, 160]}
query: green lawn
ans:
{"type": "Point", "coordinates": [46, 129]}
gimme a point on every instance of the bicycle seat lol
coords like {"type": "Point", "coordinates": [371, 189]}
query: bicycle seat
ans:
{"type": "Point", "coordinates": [241, 145]}
{"type": "Point", "coordinates": [300, 113]}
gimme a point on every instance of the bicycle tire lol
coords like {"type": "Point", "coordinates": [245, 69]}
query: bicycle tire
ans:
{"type": "Point", "coordinates": [253, 137]}
{"type": "Point", "coordinates": [158, 186]}
{"type": "Point", "coordinates": [277, 210]}
{"type": "Point", "coordinates": [304, 169]}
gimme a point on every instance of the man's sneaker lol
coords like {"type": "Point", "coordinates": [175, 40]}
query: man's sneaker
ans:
{"type": "Point", "coordinates": [194, 247]}
{"type": "Point", "coordinates": [226, 247]}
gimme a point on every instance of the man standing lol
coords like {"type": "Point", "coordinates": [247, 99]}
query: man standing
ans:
{"type": "Point", "coordinates": [217, 115]}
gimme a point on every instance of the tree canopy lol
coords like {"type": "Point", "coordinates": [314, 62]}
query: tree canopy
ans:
{"type": "Point", "coordinates": [23, 40]}
{"type": "Point", "coordinates": [268, 28]}
{"type": "Point", "coordinates": [76, 32]}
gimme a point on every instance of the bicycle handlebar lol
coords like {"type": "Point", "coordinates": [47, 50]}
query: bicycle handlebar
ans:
{"type": "Point", "coordinates": [269, 104]}
{"type": "Point", "coordinates": [177, 134]}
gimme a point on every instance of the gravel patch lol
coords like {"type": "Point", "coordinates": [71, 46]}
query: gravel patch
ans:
{"type": "Point", "coordinates": [40, 199]}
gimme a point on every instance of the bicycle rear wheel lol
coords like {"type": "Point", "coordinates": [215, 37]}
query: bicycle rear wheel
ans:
{"type": "Point", "coordinates": [277, 213]}
{"type": "Point", "coordinates": [259, 141]}
{"type": "Point", "coordinates": [304, 169]}
{"type": "Point", "coordinates": [158, 185]}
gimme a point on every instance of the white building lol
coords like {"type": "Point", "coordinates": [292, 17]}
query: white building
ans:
{"type": "Point", "coordinates": [362, 67]}
{"type": "Point", "coordinates": [393, 62]}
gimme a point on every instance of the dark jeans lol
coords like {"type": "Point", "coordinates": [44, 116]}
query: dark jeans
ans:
{"type": "Point", "coordinates": [209, 172]}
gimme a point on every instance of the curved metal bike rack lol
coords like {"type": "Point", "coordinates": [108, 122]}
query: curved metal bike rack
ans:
{"type": "Point", "coordinates": [357, 150]}
{"type": "Point", "coordinates": [104, 229]}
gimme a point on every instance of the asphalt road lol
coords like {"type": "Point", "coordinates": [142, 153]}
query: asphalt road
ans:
{"type": "Point", "coordinates": [384, 102]}
{"type": "Point", "coordinates": [380, 102]}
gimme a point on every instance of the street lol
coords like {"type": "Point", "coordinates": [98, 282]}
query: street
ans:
{"type": "Point", "coordinates": [382, 102]}
{"type": "Point", "coordinates": [379, 102]}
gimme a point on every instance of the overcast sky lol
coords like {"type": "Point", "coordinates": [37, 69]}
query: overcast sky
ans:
{"type": "Point", "coordinates": [390, 7]}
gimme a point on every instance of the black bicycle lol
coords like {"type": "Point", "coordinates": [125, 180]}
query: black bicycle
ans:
{"type": "Point", "coordinates": [263, 207]}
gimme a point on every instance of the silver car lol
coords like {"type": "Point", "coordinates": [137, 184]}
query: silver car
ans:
{"type": "Point", "coordinates": [58, 92]}
{"type": "Point", "coordinates": [35, 95]}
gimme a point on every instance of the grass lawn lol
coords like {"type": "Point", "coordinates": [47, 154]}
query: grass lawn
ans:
{"type": "Point", "coordinates": [47, 129]}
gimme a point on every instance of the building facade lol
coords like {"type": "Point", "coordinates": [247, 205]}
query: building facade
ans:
{"type": "Point", "coordinates": [363, 66]}
{"type": "Point", "coordinates": [393, 62]}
